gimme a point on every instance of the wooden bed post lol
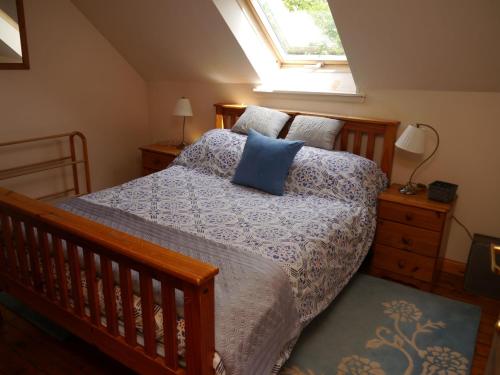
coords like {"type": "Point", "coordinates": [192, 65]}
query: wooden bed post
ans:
{"type": "Point", "coordinates": [199, 315]}
{"type": "Point", "coordinates": [219, 117]}
{"type": "Point", "coordinates": [388, 150]}
{"type": "Point", "coordinates": [227, 114]}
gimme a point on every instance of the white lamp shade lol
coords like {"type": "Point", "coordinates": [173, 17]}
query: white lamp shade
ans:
{"type": "Point", "coordinates": [183, 108]}
{"type": "Point", "coordinates": [412, 140]}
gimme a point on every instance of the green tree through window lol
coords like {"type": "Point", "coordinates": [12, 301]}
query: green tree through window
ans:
{"type": "Point", "coordinates": [303, 28]}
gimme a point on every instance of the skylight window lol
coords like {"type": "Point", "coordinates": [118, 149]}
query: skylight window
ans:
{"type": "Point", "coordinates": [300, 31]}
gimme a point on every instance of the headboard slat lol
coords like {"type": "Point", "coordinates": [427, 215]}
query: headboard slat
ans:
{"type": "Point", "coordinates": [357, 142]}
{"type": "Point", "coordinates": [370, 146]}
{"type": "Point", "coordinates": [344, 140]}
{"type": "Point", "coordinates": [227, 114]}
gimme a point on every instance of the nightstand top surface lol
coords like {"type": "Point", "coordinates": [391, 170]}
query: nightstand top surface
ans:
{"type": "Point", "coordinates": [420, 199]}
{"type": "Point", "coordinates": [162, 149]}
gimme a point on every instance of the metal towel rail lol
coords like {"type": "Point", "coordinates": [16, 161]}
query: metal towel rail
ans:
{"type": "Point", "coordinates": [62, 162]}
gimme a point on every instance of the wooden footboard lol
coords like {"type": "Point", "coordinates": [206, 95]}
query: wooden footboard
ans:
{"type": "Point", "coordinates": [34, 235]}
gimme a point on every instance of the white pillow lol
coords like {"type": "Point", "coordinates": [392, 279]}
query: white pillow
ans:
{"type": "Point", "coordinates": [266, 121]}
{"type": "Point", "coordinates": [315, 131]}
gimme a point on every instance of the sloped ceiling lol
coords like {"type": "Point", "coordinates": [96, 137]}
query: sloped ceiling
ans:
{"type": "Point", "coordinates": [171, 39]}
{"type": "Point", "coordinates": [422, 44]}
{"type": "Point", "coordinates": [391, 44]}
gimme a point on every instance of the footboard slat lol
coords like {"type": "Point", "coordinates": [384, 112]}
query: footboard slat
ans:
{"type": "Point", "coordinates": [76, 279]}
{"type": "Point", "coordinates": [169, 324]}
{"type": "Point", "coordinates": [46, 264]}
{"type": "Point", "coordinates": [108, 286]}
{"type": "Point", "coordinates": [60, 272]}
{"type": "Point", "coordinates": [34, 258]}
{"type": "Point", "coordinates": [92, 291]}
{"type": "Point", "coordinates": [21, 252]}
{"type": "Point", "coordinates": [128, 309]}
{"type": "Point", "coordinates": [50, 233]}
{"type": "Point", "coordinates": [148, 324]}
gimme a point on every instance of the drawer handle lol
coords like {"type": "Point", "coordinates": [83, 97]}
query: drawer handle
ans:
{"type": "Point", "coordinates": [406, 241]}
{"type": "Point", "coordinates": [409, 217]}
{"type": "Point", "coordinates": [401, 264]}
{"type": "Point", "coordinates": [415, 269]}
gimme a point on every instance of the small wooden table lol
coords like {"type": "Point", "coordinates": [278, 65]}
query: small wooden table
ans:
{"type": "Point", "coordinates": [156, 157]}
{"type": "Point", "coordinates": [411, 237]}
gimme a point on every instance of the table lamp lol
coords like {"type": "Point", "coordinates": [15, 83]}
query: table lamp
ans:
{"type": "Point", "coordinates": [413, 140]}
{"type": "Point", "coordinates": [183, 109]}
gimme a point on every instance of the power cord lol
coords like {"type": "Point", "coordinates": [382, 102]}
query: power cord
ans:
{"type": "Point", "coordinates": [463, 226]}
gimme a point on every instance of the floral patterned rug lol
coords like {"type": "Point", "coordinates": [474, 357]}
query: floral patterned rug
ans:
{"type": "Point", "coordinates": [378, 327]}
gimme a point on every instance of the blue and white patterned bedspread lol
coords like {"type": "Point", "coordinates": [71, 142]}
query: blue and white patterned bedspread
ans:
{"type": "Point", "coordinates": [319, 231]}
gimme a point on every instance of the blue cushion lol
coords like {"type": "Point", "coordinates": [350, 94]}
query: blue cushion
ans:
{"type": "Point", "coordinates": [265, 162]}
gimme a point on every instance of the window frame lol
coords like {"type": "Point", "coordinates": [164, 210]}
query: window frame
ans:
{"type": "Point", "coordinates": [274, 44]}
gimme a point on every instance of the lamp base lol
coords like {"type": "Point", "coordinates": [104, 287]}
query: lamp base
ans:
{"type": "Point", "coordinates": [412, 188]}
{"type": "Point", "coordinates": [409, 189]}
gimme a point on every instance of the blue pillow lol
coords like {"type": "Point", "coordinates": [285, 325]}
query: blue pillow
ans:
{"type": "Point", "coordinates": [265, 162]}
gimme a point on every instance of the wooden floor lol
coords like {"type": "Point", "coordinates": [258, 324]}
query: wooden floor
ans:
{"type": "Point", "coordinates": [451, 286]}
{"type": "Point", "coordinates": [24, 349]}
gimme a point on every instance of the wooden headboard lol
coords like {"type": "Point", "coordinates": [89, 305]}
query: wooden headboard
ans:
{"type": "Point", "coordinates": [371, 138]}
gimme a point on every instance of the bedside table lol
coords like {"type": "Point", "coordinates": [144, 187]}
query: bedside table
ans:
{"type": "Point", "coordinates": [156, 157]}
{"type": "Point", "coordinates": [411, 237]}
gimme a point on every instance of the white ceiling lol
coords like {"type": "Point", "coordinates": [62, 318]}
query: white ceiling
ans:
{"type": "Point", "coordinates": [391, 44]}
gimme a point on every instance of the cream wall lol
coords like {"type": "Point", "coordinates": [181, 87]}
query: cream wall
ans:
{"type": "Point", "coordinates": [77, 81]}
{"type": "Point", "coordinates": [467, 122]}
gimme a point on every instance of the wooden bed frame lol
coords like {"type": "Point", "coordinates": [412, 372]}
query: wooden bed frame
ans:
{"type": "Point", "coordinates": [34, 233]}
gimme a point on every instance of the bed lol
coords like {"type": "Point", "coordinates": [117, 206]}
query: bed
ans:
{"type": "Point", "coordinates": [100, 265]}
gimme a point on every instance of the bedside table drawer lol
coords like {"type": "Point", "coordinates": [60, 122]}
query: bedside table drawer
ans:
{"type": "Point", "coordinates": [418, 217]}
{"type": "Point", "coordinates": [403, 263]}
{"type": "Point", "coordinates": [406, 237]}
{"type": "Point", "coordinates": [155, 161]}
